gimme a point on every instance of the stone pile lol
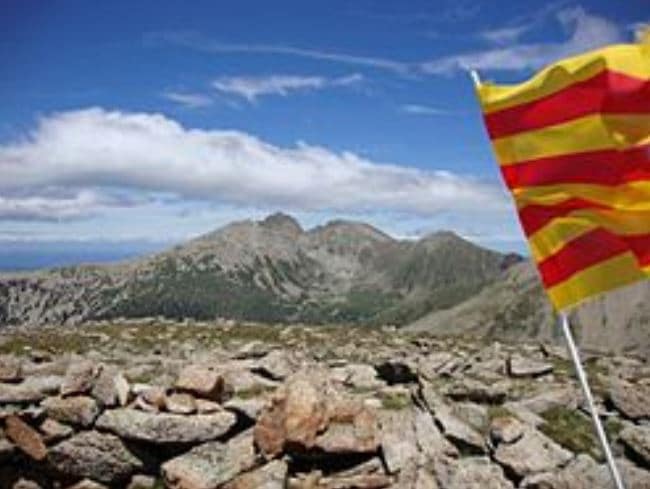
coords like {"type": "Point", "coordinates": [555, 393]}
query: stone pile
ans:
{"type": "Point", "coordinates": [425, 414]}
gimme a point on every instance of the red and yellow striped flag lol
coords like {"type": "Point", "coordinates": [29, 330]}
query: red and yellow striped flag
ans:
{"type": "Point", "coordinates": [573, 144]}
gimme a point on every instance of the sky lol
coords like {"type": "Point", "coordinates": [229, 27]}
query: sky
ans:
{"type": "Point", "coordinates": [153, 122]}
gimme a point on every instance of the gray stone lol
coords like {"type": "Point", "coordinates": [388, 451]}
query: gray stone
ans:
{"type": "Point", "coordinates": [19, 394]}
{"type": "Point", "coordinates": [519, 366]}
{"type": "Point", "coordinates": [210, 465]}
{"type": "Point", "coordinates": [459, 432]}
{"type": "Point", "coordinates": [110, 388]}
{"type": "Point", "coordinates": [98, 456]}
{"type": "Point", "coordinates": [180, 403]}
{"type": "Point", "coordinates": [532, 453]}
{"type": "Point", "coordinates": [10, 368]}
{"type": "Point", "coordinates": [203, 381]}
{"type": "Point", "coordinates": [77, 410]}
{"type": "Point", "coordinates": [79, 378]}
{"type": "Point", "coordinates": [637, 439]}
{"type": "Point", "coordinates": [277, 365]}
{"type": "Point", "coordinates": [471, 473]}
{"type": "Point", "coordinates": [270, 476]}
{"type": "Point", "coordinates": [631, 399]}
{"type": "Point", "coordinates": [53, 431]}
{"type": "Point", "coordinates": [166, 427]}
{"type": "Point", "coordinates": [45, 384]}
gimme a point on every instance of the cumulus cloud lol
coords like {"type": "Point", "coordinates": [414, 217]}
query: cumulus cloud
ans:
{"type": "Point", "coordinates": [189, 100]}
{"type": "Point", "coordinates": [586, 31]}
{"type": "Point", "coordinates": [252, 87]}
{"type": "Point", "coordinates": [51, 208]}
{"type": "Point", "coordinates": [93, 150]}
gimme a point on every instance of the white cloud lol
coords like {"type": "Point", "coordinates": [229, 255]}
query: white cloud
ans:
{"type": "Point", "coordinates": [189, 100]}
{"type": "Point", "coordinates": [417, 109]}
{"type": "Point", "coordinates": [59, 208]}
{"type": "Point", "coordinates": [586, 31]}
{"type": "Point", "coordinates": [197, 42]}
{"type": "Point", "coordinates": [252, 87]}
{"type": "Point", "coordinates": [95, 150]}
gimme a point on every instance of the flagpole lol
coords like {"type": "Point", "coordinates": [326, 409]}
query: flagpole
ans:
{"type": "Point", "coordinates": [582, 377]}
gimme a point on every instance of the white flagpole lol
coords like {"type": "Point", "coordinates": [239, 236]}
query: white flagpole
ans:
{"type": "Point", "coordinates": [582, 377]}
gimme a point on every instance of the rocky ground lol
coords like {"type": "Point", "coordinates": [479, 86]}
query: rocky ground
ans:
{"type": "Point", "coordinates": [203, 406]}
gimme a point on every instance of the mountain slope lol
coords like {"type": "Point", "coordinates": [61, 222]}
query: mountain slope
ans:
{"type": "Point", "coordinates": [272, 271]}
{"type": "Point", "coordinates": [515, 308]}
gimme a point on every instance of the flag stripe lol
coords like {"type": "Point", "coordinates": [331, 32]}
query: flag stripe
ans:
{"type": "Point", "coordinates": [552, 237]}
{"type": "Point", "coordinates": [582, 252]}
{"type": "Point", "coordinates": [640, 246]}
{"type": "Point", "coordinates": [534, 217]}
{"type": "Point", "coordinates": [606, 167]}
{"type": "Point", "coordinates": [590, 133]}
{"type": "Point", "coordinates": [602, 277]}
{"type": "Point", "coordinates": [625, 59]}
{"type": "Point", "coordinates": [607, 92]}
{"type": "Point", "coordinates": [633, 196]}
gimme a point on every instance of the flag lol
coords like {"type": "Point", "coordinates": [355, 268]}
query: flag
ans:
{"type": "Point", "coordinates": [573, 146]}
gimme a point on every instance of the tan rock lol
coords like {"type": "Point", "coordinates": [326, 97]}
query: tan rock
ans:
{"type": "Point", "coordinates": [631, 399]}
{"type": "Point", "coordinates": [25, 438]}
{"type": "Point", "coordinates": [77, 410]}
{"type": "Point", "coordinates": [202, 381]}
{"type": "Point", "coordinates": [180, 403]}
{"type": "Point", "coordinates": [506, 429]}
{"type": "Point", "coordinates": [270, 476]}
{"type": "Point", "coordinates": [154, 396]}
{"type": "Point", "coordinates": [10, 369]}
{"type": "Point", "coordinates": [53, 431]}
{"type": "Point", "coordinates": [79, 378]}
{"type": "Point", "coordinates": [110, 388]}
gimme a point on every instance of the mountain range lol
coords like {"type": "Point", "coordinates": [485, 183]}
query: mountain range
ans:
{"type": "Point", "coordinates": [274, 271]}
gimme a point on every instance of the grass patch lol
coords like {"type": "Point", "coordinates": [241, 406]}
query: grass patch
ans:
{"type": "Point", "coordinates": [572, 430]}
{"type": "Point", "coordinates": [395, 401]}
{"type": "Point", "coordinates": [253, 392]}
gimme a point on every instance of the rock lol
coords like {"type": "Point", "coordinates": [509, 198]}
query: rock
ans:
{"type": "Point", "coordinates": [53, 431]}
{"type": "Point", "coordinates": [154, 396]}
{"type": "Point", "coordinates": [475, 415]}
{"type": "Point", "coordinates": [398, 439]}
{"type": "Point", "coordinates": [202, 381]}
{"type": "Point", "coordinates": [430, 440]}
{"type": "Point", "coordinates": [140, 481]}
{"type": "Point", "coordinates": [10, 369]}
{"type": "Point", "coordinates": [111, 388]}
{"type": "Point", "coordinates": [19, 394]}
{"type": "Point", "coordinates": [460, 433]}
{"type": "Point", "coordinates": [359, 376]}
{"type": "Point", "coordinates": [79, 410]}
{"type": "Point", "coordinates": [519, 367]}
{"type": "Point", "coordinates": [506, 429]}
{"type": "Point", "coordinates": [551, 398]}
{"type": "Point", "coordinates": [436, 364]}
{"type": "Point", "coordinates": [45, 384]}
{"type": "Point", "coordinates": [475, 391]}
{"type": "Point", "coordinates": [270, 476]}
{"type": "Point", "coordinates": [79, 378]}
{"type": "Point", "coordinates": [88, 484]}
{"type": "Point", "coordinates": [203, 406]}
{"type": "Point", "coordinates": [132, 424]}
{"type": "Point", "coordinates": [181, 403]}
{"type": "Point", "coordinates": [584, 473]}
{"type": "Point", "coordinates": [637, 439]}
{"type": "Point", "coordinates": [396, 372]}
{"type": "Point", "coordinates": [25, 438]}
{"type": "Point", "coordinates": [352, 428]}
{"type": "Point", "coordinates": [277, 365]}
{"type": "Point", "coordinates": [297, 413]}
{"type": "Point", "coordinates": [532, 453]}
{"type": "Point", "coordinates": [631, 399]}
{"type": "Point", "coordinates": [98, 456]}
{"type": "Point", "coordinates": [473, 473]}
{"type": "Point", "coordinates": [23, 483]}
{"type": "Point", "coordinates": [210, 465]}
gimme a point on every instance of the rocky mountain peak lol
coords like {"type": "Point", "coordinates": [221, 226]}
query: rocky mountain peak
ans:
{"type": "Point", "coordinates": [282, 222]}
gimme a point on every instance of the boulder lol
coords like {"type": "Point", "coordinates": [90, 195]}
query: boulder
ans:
{"type": "Point", "coordinates": [79, 378]}
{"type": "Point", "coordinates": [476, 391]}
{"type": "Point", "coordinates": [19, 394]}
{"type": "Point", "coordinates": [25, 438]}
{"type": "Point", "coordinates": [551, 398]}
{"type": "Point", "coordinates": [506, 429]}
{"type": "Point", "coordinates": [111, 388]}
{"type": "Point", "coordinates": [519, 366]}
{"type": "Point", "coordinates": [45, 384]}
{"type": "Point", "coordinates": [458, 432]}
{"type": "Point", "coordinates": [584, 473]}
{"type": "Point", "coordinates": [533, 452]}
{"type": "Point", "coordinates": [98, 456]}
{"type": "Point", "coordinates": [210, 465]}
{"type": "Point", "coordinates": [79, 410]}
{"type": "Point", "coordinates": [472, 473]}
{"type": "Point", "coordinates": [637, 439]}
{"type": "Point", "coordinates": [270, 476]}
{"type": "Point", "coordinates": [10, 368]}
{"type": "Point", "coordinates": [180, 403]}
{"type": "Point", "coordinates": [154, 396]}
{"type": "Point", "coordinates": [53, 431]}
{"type": "Point", "coordinates": [359, 376]}
{"type": "Point", "coordinates": [203, 381]}
{"type": "Point", "coordinates": [276, 365]}
{"type": "Point", "coordinates": [132, 424]}
{"type": "Point", "coordinates": [631, 399]}
{"type": "Point", "coordinates": [352, 428]}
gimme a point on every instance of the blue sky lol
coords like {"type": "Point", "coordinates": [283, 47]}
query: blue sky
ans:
{"type": "Point", "coordinates": [131, 121]}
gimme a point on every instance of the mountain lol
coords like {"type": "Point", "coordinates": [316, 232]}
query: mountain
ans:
{"type": "Point", "coordinates": [271, 271]}
{"type": "Point", "coordinates": [515, 308]}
